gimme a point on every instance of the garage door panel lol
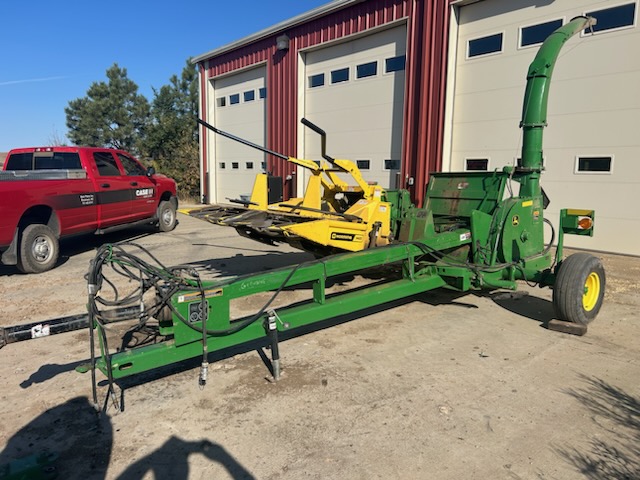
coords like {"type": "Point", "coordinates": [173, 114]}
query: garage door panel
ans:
{"type": "Point", "coordinates": [243, 116]}
{"type": "Point", "coordinates": [362, 116]}
{"type": "Point", "coordinates": [593, 110]}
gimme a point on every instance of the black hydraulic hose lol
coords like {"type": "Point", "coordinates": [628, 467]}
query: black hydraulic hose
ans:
{"type": "Point", "coordinates": [240, 325]}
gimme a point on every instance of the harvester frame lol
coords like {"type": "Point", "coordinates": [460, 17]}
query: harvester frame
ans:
{"type": "Point", "coordinates": [470, 235]}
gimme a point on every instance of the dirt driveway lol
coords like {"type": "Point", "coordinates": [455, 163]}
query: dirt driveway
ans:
{"type": "Point", "coordinates": [439, 386]}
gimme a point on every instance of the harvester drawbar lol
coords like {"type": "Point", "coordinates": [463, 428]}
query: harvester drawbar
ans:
{"type": "Point", "coordinates": [472, 233]}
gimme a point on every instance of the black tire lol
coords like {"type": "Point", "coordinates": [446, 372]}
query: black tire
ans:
{"type": "Point", "coordinates": [167, 216]}
{"type": "Point", "coordinates": [39, 249]}
{"type": "Point", "coordinates": [579, 288]}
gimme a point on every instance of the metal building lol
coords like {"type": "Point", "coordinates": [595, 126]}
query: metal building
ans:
{"type": "Point", "coordinates": [405, 87]}
{"type": "Point", "coordinates": [369, 72]}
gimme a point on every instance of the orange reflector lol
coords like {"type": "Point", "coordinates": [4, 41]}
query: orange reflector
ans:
{"type": "Point", "coordinates": [585, 223]}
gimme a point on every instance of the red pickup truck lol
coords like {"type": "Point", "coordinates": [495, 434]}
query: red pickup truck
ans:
{"type": "Point", "coordinates": [52, 192]}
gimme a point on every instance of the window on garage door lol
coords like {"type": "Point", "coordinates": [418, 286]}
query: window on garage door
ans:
{"type": "Point", "coordinates": [536, 34]}
{"type": "Point", "coordinates": [588, 164]}
{"type": "Point", "coordinates": [614, 18]}
{"type": "Point", "coordinates": [491, 44]}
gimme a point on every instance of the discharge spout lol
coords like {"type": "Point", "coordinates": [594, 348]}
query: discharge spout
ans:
{"type": "Point", "coordinates": [534, 108]}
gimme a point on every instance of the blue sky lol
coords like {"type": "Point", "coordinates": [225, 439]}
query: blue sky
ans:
{"type": "Point", "coordinates": [51, 52]}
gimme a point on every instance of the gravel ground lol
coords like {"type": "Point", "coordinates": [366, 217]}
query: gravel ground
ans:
{"type": "Point", "coordinates": [439, 386]}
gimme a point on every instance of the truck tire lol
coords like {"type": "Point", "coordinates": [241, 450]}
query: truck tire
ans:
{"type": "Point", "coordinates": [38, 250]}
{"type": "Point", "coordinates": [579, 288]}
{"type": "Point", "coordinates": [167, 216]}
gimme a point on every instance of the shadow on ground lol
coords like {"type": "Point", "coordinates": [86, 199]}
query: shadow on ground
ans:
{"type": "Point", "coordinates": [617, 414]}
{"type": "Point", "coordinates": [79, 443]}
{"type": "Point", "coordinates": [171, 461]}
{"type": "Point", "coordinates": [525, 305]}
{"type": "Point", "coordinates": [73, 431]}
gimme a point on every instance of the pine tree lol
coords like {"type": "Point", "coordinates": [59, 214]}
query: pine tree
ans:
{"type": "Point", "coordinates": [112, 114]}
{"type": "Point", "coordinates": [171, 138]}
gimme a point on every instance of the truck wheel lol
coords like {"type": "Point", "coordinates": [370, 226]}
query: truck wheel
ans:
{"type": "Point", "coordinates": [167, 216]}
{"type": "Point", "coordinates": [579, 288]}
{"type": "Point", "coordinates": [38, 249]}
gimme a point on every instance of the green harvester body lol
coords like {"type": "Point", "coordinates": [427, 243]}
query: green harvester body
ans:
{"type": "Point", "coordinates": [470, 234]}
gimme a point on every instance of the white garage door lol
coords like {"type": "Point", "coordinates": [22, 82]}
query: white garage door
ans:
{"type": "Point", "coordinates": [355, 92]}
{"type": "Point", "coordinates": [591, 146]}
{"type": "Point", "coordinates": [240, 110]}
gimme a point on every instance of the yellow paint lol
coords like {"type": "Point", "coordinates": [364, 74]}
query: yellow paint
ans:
{"type": "Point", "coordinates": [579, 213]}
{"type": "Point", "coordinates": [591, 292]}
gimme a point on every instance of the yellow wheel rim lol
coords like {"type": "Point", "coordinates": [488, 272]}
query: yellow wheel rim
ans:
{"type": "Point", "coordinates": [591, 292]}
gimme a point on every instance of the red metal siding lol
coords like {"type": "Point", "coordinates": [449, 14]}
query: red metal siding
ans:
{"type": "Point", "coordinates": [204, 183]}
{"type": "Point", "coordinates": [424, 91]}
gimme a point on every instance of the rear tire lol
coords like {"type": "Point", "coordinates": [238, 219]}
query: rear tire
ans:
{"type": "Point", "coordinates": [167, 216]}
{"type": "Point", "coordinates": [39, 249]}
{"type": "Point", "coordinates": [579, 288]}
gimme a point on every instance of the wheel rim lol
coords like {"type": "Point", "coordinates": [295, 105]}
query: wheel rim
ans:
{"type": "Point", "coordinates": [41, 249]}
{"type": "Point", "coordinates": [591, 292]}
{"type": "Point", "coordinates": [167, 217]}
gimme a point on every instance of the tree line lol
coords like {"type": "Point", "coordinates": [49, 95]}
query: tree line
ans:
{"type": "Point", "coordinates": [163, 132]}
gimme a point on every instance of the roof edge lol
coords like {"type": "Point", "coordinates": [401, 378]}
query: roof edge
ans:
{"type": "Point", "coordinates": [278, 27]}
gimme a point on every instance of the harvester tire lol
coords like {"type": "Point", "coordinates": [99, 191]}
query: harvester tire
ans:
{"type": "Point", "coordinates": [579, 288]}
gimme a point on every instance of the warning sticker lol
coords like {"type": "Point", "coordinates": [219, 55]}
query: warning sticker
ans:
{"type": "Point", "coordinates": [188, 297]}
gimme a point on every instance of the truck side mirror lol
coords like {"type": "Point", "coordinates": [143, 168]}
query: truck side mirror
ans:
{"type": "Point", "coordinates": [151, 171]}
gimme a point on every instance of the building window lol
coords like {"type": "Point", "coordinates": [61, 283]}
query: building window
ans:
{"type": "Point", "coordinates": [233, 99]}
{"type": "Point", "coordinates": [594, 164]}
{"type": "Point", "coordinates": [235, 165]}
{"type": "Point", "coordinates": [249, 96]}
{"type": "Point", "coordinates": [341, 75]}
{"type": "Point", "coordinates": [613, 18]}
{"type": "Point", "coordinates": [316, 80]}
{"type": "Point", "coordinates": [263, 166]}
{"type": "Point", "coordinates": [476, 164]}
{"type": "Point", "coordinates": [262, 92]}
{"type": "Point", "coordinates": [363, 164]}
{"type": "Point", "coordinates": [222, 165]}
{"type": "Point", "coordinates": [484, 45]}
{"type": "Point", "coordinates": [221, 101]}
{"type": "Point", "coordinates": [249, 165]}
{"type": "Point", "coordinates": [395, 64]}
{"type": "Point", "coordinates": [392, 164]}
{"type": "Point", "coordinates": [536, 34]}
{"type": "Point", "coordinates": [367, 70]}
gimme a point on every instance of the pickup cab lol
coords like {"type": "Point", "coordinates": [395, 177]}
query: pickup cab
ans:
{"type": "Point", "coordinates": [48, 193]}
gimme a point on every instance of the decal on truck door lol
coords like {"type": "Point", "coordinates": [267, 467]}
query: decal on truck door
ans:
{"type": "Point", "coordinates": [144, 193]}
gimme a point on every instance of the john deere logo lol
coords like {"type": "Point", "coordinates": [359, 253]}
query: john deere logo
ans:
{"type": "Point", "coordinates": [515, 221]}
{"type": "Point", "coordinates": [346, 237]}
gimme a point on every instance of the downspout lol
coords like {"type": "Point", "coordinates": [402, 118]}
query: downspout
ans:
{"type": "Point", "coordinates": [534, 108]}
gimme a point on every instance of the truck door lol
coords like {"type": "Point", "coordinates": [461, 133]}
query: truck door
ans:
{"type": "Point", "coordinates": [113, 190]}
{"type": "Point", "coordinates": [143, 189]}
